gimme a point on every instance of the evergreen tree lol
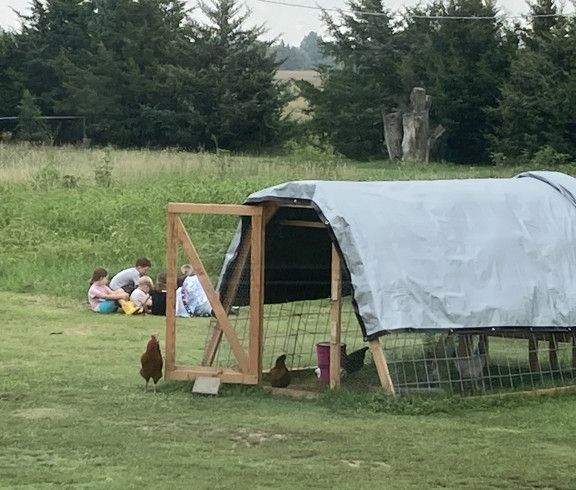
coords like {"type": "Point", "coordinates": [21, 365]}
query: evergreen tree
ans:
{"type": "Point", "coordinates": [52, 27]}
{"type": "Point", "coordinates": [10, 89]}
{"type": "Point", "coordinates": [238, 97]}
{"type": "Point", "coordinates": [30, 127]}
{"type": "Point", "coordinates": [538, 102]}
{"type": "Point", "coordinates": [362, 83]}
{"type": "Point", "coordinates": [291, 58]}
{"type": "Point", "coordinates": [131, 81]}
{"type": "Point", "coordinates": [312, 46]}
{"type": "Point", "coordinates": [462, 64]}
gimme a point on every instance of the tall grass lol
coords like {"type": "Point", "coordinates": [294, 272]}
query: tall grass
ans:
{"type": "Point", "coordinates": [66, 211]}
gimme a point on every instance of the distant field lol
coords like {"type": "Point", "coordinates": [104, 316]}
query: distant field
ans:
{"type": "Point", "coordinates": [296, 108]}
{"type": "Point", "coordinates": [308, 75]}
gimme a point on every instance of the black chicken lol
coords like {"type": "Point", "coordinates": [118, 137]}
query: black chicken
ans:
{"type": "Point", "coordinates": [355, 360]}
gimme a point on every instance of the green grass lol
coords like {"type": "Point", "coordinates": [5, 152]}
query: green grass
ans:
{"type": "Point", "coordinates": [66, 211]}
{"type": "Point", "coordinates": [74, 415]}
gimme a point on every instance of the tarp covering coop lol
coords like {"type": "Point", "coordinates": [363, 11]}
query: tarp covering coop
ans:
{"type": "Point", "coordinates": [427, 255]}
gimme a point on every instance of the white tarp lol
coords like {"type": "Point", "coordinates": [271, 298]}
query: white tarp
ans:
{"type": "Point", "coordinates": [452, 254]}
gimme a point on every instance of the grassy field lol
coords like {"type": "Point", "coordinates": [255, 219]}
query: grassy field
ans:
{"type": "Point", "coordinates": [74, 415]}
{"type": "Point", "coordinates": [66, 211]}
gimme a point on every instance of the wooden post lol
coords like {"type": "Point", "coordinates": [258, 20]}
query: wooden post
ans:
{"type": "Point", "coordinates": [574, 351]}
{"type": "Point", "coordinates": [553, 353]}
{"type": "Point", "coordinates": [381, 366]}
{"type": "Point", "coordinates": [255, 348]}
{"type": "Point", "coordinates": [533, 354]}
{"type": "Point", "coordinates": [171, 264]}
{"type": "Point", "coordinates": [393, 134]}
{"type": "Point", "coordinates": [335, 323]}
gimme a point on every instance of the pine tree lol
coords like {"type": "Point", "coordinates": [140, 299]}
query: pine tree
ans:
{"type": "Point", "coordinates": [362, 83]}
{"type": "Point", "coordinates": [462, 64]}
{"type": "Point", "coordinates": [238, 98]}
{"type": "Point", "coordinates": [30, 127]}
{"type": "Point", "coordinates": [10, 88]}
{"type": "Point", "coordinates": [538, 102]}
{"type": "Point", "coordinates": [130, 81]}
{"type": "Point", "coordinates": [52, 27]}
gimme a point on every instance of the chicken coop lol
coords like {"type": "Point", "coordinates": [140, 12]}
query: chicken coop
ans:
{"type": "Point", "coordinates": [459, 286]}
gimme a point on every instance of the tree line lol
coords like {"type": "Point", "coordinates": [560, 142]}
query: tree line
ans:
{"type": "Point", "coordinates": [148, 73]}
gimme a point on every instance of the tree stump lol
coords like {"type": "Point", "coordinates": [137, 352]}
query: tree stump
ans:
{"type": "Point", "coordinates": [393, 134]}
{"type": "Point", "coordinates": [408, 135]}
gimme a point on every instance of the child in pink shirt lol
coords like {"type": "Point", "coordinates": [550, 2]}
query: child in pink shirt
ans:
{"type": "Point", "coordinates": [101, 298]}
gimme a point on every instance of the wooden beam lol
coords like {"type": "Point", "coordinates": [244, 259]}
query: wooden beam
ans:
{"type": "Point", "coordinates": [301, 223]}
{"type": "Point", "coordinates": [381, 366]}
{"type": "Point", "coordinates": [190, 373]}
{"type": "Point", "coordinates": [171, 264]}
{"type": "Point", "coordinates": [255, 333]}
{"type": "Point", "coordinates": [539, 392]}
{"type": "Point", "coordinates": [296, 205]}
{"type": "Point", "coordinates": [559, 336]}
{"type": "Point", "coordinates": [230, 209]}
{"type": "Point", "coordinates": [301, 394]}
{"type": "Point", "coordinates": [217, 308]}
{"type": "Point", "coordinates": [553, 354]}
{"type": "Point", "coordinates": [533, 354]}
{"type": "Point", "coordinates": [574, 351]}
{"type": "Point", "coordinates": [335, 320]}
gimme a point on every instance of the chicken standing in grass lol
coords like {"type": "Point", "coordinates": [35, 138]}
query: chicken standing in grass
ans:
{"type": "Point", "coordinates": [152, 362]}
{"type": "Point", "coordinates": [279, 374]}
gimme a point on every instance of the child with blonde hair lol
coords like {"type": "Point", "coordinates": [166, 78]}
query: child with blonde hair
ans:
{"type": "Point", "coordinates": [191, 299]}
{"type": "Point", "coordinates": [141, 295]}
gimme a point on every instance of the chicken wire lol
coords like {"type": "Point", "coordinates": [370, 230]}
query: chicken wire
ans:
{"type": "Point", "coordinates": [446, 362]}
{"type": "Point", "coordinates": [452, 362]}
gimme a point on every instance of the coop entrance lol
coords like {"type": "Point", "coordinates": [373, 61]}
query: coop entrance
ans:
{"type": "Point", "coordinates": [251, 324]}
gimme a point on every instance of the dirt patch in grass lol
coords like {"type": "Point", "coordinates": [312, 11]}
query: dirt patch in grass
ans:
{"type": "Point", "coordinates": [42, 413]}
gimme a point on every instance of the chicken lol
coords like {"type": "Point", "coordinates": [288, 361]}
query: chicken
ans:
{"type": "Point", "coordinates": [279, 374]}
{"type": "Point", "coordinates": [152, 362]}
{"type": "Point", "coordinates": [355, 360]}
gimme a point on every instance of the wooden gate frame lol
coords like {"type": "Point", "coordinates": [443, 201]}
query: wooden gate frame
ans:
{"type": "Point", "coordinates": [249, 363]}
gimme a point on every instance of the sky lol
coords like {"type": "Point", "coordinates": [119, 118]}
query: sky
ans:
{"type": "Point", "coordinates": [290, 22]}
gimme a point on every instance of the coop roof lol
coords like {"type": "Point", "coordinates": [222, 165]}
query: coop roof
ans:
{"type": "Point", "coordinates": [428, 255]}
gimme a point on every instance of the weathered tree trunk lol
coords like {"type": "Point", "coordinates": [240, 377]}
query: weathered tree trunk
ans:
{"type": "Point", "coordinates": [413, 131]}
{"type": "Point", "coordinates": [393, 134]}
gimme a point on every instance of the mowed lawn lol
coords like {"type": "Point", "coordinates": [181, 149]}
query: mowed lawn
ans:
{"type": "Point", "coordinates": [73, 414]}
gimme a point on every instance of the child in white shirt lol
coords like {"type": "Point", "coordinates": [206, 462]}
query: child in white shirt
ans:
{"type": "Point", "coordinates": [141, 295]}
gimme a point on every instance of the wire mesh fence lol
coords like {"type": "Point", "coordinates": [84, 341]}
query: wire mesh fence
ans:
{"type": "Point", "coordinates": [449, 362]}
{"type": "Point", "coordinates": [454, 362]}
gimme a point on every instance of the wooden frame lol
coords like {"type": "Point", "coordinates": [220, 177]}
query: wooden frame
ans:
{"type": "Point", "coordinates": [250, 363]}
{"type": "Point", "coordinates": [252, 242]}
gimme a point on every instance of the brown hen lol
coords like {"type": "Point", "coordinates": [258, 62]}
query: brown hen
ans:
{"type": "Point", "coordinates": [152, 362]}
{"type": "Point", "coordinates": [279, 374]}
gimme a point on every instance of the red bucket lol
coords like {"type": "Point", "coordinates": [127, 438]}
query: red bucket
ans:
{"type": "Point", "coordinates": [323, 353]}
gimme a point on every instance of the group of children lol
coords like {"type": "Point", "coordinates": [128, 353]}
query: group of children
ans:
{"type": "Point", "coordinates": [134, 292]}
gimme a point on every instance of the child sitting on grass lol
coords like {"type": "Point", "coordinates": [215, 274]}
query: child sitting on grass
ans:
{"type": "Point", "coordinates": [141, 295]}
{"type": "Point", "coordinates": [102, 299]}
